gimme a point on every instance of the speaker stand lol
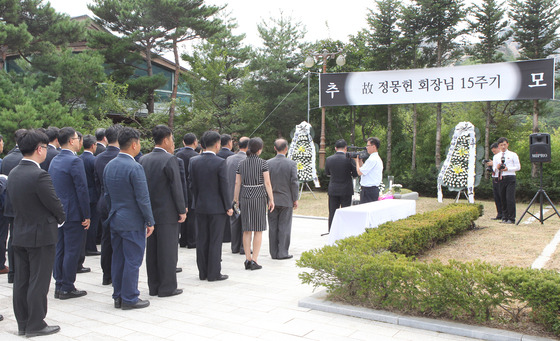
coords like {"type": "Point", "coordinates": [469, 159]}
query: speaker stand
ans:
{"type": "Point", "coordinates": [540, 193]}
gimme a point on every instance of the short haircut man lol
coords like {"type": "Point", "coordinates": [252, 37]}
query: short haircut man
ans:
{"type": "Point", "coordinates": [341, 170]}
{"type": "Point", "coordinates": [70, 182]}
{"type": "Point", "coordinates": [169, 209]}
{"type": "Point", "coordinates": [89, 140]}
{"type": "Point", "coordinates": [37, 211]}
{"type": "Point", "coordinates": [232, 163]}
{"type": "Point", "coordinates": [52, 133]}
{"type": "Point", "coordinates": [226, 142]}
{"type": "Point", "coordinates": [225, 139]}
{"type": "Point", "coordinates": [130, 219]}
{"type": "Point", "coordinates": [371, 172]}
{"type": "Point", "coordinates": [284, 181]}
{"type": "Point", "coordinates": [100, 134]}
{"type": "Point", "coordinates": [189, 139]}
{"type": "Point", "coordinates": [208, 180]}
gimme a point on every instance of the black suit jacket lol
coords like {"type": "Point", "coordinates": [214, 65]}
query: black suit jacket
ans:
{"type": "Point", "coordinates": [100, 149]}
{"type": "Point", "coordinates": [11, 161]}
{"type": "Point", "coordinates": [164, 183]}
{"type": "Point", "coordinates": [224, 153]}
{"type": "Point", "coordinates": [209, 184]}
{"type": "Point", "coordinates": [341, 170]}
{"type": "Point", "coordinates": [51, 153]}
{"type": "Point", "coordinates": [186, 154]}
{"type": "Point", "coordinates": [101, 161]}
{"type": "Point", "coordinates": [37, 209]}
{"type": "Point", "coordinates": [89, 163]}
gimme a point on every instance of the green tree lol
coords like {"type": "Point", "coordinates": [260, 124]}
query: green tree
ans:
{"type": "Point", "coordinates": [276, 70]}
{"type": "Point", "coordinates": [218, 71]}
{"type": "Point", "coordinates": [383, 40]}
{"type": "Point", "coordinates": [412, 30]}
{"type": "Point", "coordinates": [184, 20]}
{"type": "Point", "coordinates": [490, 26]}
{"type": "Point", "coordinates": [441, 19]}
{"type": "Point", "coordinates": [135, 20]}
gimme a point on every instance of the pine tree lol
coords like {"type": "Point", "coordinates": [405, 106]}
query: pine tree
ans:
{"type": "Point", "coordinates": [441, 19]}
{"type": "Point", "coordinates": [490, 26]}
{"type": "Point", "coordinates": [184, 20]}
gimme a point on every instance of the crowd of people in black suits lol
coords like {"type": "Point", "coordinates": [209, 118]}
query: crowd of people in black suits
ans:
{"type": "Point", "coordinates": [57, 206]}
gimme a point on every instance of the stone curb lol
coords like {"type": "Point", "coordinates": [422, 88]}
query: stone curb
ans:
{"type": "Point", "coordinates": [310, 217]}
{"type": "Point", "coordinates": [319, 302]}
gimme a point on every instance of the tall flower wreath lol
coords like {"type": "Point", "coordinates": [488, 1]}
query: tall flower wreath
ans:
{"type": "Point", "coordinates": [302, 151]}
{"type": "Point", "coordinates": [459, 169]}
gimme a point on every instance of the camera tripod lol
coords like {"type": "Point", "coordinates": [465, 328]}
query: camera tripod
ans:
{"type": "Point", "coordinates": [540, 193]}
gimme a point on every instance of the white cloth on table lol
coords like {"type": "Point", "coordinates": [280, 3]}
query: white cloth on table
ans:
{"type": "Point", "coordinates": [353, 220]}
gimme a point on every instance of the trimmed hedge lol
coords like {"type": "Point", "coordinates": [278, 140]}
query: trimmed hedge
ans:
{"type": "Point", "coordinates": [377, 269]}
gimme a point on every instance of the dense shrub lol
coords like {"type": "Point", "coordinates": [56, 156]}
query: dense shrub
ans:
{"type": "Point", "coordinates": [377, 269]}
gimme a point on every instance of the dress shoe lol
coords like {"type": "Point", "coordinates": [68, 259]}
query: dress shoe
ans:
{"type": "Point", "coordinates": [138, 305]}
{"type": "Point", "coordinates": [93, 253]}
{"type": "Point", "coordinates": [64, 295]}
{"type": "Point", "coordinates": [174, 293]}
{"type": "Point", "coordinates": [10, 279]}
{"type": "Point", "coordinates": [255, 266]}
{"type": "Point", "coordinates": [509, 222]}
{"type": "Point", "coordinates": [21, 332]}
{"type": "Point", "coordinates": [45, 331]}
{"type": "Point", "coordinates": [497, 218]}
{"type": "Point", "coordinates": [5, 270]}
{"type": "Point", "coordinates": [118, 303]}
{"type": "Point", "coordinates": [83, 270]}
{"type": "Point", "coordinates": [220, 278]}
{"type": "Point", "coordinates": [247, 264]}
{"type": "Point", "coordinates": [178, 269]}
{"type": "Point", "coordinates": [107, 281]}
{"type": "Point", "coordinates": [191, 246]}
{"type": "Point", "coordinates": [57, 293]}
{"type": "Point", "coordinates": [1, 317]}
{"type": "Point", "coordinates": [287, 257]}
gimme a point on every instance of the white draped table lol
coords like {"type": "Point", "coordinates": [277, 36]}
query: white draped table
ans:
{"type": "Point", "coordinates": [353, 220]}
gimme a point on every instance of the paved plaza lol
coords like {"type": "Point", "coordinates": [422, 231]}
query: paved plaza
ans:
{"type": "Point", "coordinates": [250, 305]}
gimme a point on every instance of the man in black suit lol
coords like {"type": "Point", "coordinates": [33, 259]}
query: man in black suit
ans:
{"type": "Point", "coordinates": [70, 182]}
{"type": "Point", "coordinates": [37, 213]}
{"type": "Point", "coordinates": [169, 209]}
{"type": "Point", "coordinates": [226, 142]}
{"type": "Point", "coordinates": [101, 141]}
{"type": "Point", "coordinates": [52, 151]}
{"type": "Point", "coordinates": [232, 163]}
{"type": "Point", "coordinates": [101, 161]}
{"type": "Point", "coordinates": [208, 179]}
{"type": "Point", "coordinates": [90, 146]}
{"type": "Point", "coordinates": [341, 170]}
{"type": "Point", "coordinates": [8, 163]}
{"type": "Point", "coordinates": [188, 227]}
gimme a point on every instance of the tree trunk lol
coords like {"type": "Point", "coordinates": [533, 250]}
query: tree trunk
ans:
{"type": "Point", "coordinates": [151, 100]}
{"type": "Point", "coordinates": [534, 170]}
{"type": "Point", "coordinates": [487, 136]}
{"type": "Point", "coordinates": [438, 135]}
{"type": "Point", "coordinates": [389, 137]}
{"type": "Point", "coordinates": [175, 84]}
{"type": "Point", "coordinates": [414, 135]}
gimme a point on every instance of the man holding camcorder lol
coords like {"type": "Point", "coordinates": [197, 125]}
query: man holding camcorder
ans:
{"type": "Point", "coordinates": [505, 164]}
{"type": "Point", "coordinates": [371, 172]}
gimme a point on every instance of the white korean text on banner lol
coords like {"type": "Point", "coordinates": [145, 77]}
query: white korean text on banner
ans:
{"type": "Point", "coordinates": [533, 79]}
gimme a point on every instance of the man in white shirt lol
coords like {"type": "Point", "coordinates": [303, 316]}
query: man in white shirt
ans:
{"type": "Point", "coordinates": [371, 172]}
{"type": "Point", "coordinates": [505, 164]}
{"type": "Point", "coordinates": [495, 185]}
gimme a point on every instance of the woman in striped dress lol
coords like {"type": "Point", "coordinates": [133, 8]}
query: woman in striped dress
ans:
{"type": "Point", "coordinates": [252, 183]}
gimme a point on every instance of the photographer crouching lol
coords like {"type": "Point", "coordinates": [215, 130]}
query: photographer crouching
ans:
{"type": "Point", "coordinates": [371, 172]}
{"type": "Point", "coordinates": [506, 163]}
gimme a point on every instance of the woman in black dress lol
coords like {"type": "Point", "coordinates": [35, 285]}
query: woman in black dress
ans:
{"type": "Point", "coordinates": [252, 183]}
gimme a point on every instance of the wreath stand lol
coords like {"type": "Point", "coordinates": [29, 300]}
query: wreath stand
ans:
{"type": "Point", "coordinates": [302, 185]}
{"type": "Point", "coordinates": [459, 195]}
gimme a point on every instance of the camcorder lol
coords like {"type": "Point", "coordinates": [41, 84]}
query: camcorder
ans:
{"type": "Point", "coordinates": [357, 152]}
